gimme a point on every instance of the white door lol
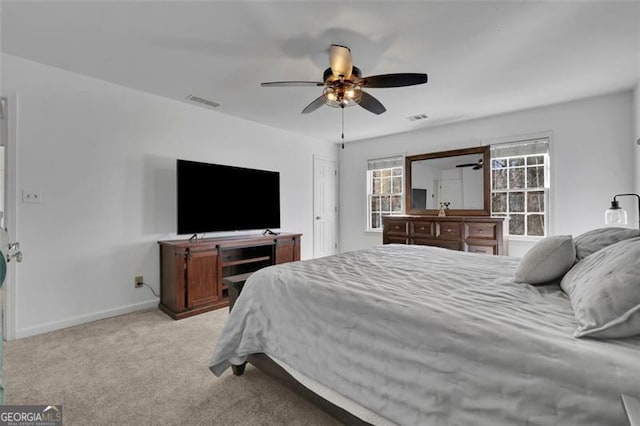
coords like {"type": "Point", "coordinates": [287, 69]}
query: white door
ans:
{"type": "Point", "coordinates": [8, 212]}
{"type": "Point", "coordinates": [451, 191]}
{"type": "Point", "coordinates": [6, 249]}
{"type": "Point", "coordinates": [325, 209]}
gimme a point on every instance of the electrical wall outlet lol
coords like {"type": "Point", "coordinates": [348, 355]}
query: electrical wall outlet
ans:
{"type": "Point", "coordinates": [138, 281]}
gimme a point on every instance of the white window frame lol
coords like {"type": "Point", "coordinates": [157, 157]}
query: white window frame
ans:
{"type": "Point", "coordinates": [394, 161]}
{"type": "Point", "coordinates": [546, 188]}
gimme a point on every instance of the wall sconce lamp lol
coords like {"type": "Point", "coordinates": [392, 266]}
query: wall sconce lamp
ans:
{"type": "Point", "coordinates": [615, 215]}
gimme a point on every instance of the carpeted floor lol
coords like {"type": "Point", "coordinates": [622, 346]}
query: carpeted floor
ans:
{"type": "Point", "coordinates": [146, 369]}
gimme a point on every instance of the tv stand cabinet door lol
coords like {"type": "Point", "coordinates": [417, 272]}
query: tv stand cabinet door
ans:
{"type": "Point", "coordinates": [287, 249]}
{"type": "Point", "coordinates": [202, 278]}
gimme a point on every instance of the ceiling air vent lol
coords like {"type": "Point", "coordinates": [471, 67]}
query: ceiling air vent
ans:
{"type": "Point", "coordinates": [417, 117]}
{"type": "Point", "coordinates": [202, 101]}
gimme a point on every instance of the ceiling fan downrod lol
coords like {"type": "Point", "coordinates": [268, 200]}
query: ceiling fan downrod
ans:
{"type": "Point", "coordinates": [342, 123]}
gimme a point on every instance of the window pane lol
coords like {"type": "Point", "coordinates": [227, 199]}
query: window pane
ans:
{"type": "Point", "coordinates": [516, 201]}
{"type": "Point", "coordinates": [499, 202]}
{"type": "Point", "coordinates": [499, 164]}
{"type": "Point", "coordinates": [518, 187]}
{"type": "Point", "coordinates": [385, 185]}
{"type": "Point", "coordinates": [381, 183]}
{"type": "Point", "coordinates": [516, 161]}
{"type": "Point", "coordinates": [375, 204]}
{"type": "Point", "coordinates": [385, 205]}
{"type": "Point", "coordinates": [536, 159]}
{"type": "Point", "coordinates": [396, 204]}
{"type": "Point", "coordinates": [516, 224]}
{"type": "Point", "coordinates": [535, 177]}
{"type": "Point", "coordinates": [535, 224]}
{"type": "Point", "coordinates": [516, 178]}
{"type": "Point", "coordinates": [376, 186]}
{"type": "Point", "coordinates": [499, 179]}
{"type": "Point", "coordinates": [535, 201]}
{"type": "Point", "coordinates": [397, 184]}
{"type": "Point", "coordinates": [375, 220]}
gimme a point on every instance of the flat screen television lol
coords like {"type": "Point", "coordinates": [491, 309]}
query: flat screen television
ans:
{"type": "Point", "coordinates": [215, 197]}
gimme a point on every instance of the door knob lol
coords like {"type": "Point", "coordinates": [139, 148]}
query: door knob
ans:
{"type": "Point", "coordinates": [317, 217]}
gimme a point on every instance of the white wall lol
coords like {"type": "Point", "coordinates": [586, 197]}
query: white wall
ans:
{"type": "Point", "coordinates": [104, 158]}
{"type": "Point", "coordinates": [592, 158]}
{"type": "Point", "coordinates": [636, 120]}
{"type": "Point", "coordinates": [423, 177]}
{"type": "Point", "coordinates": [472, 188]}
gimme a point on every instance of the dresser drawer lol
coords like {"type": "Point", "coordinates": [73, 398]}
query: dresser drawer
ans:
{"type": "Point", "coordinates": [481, 230]}
{"type": "Point", "coordinates": [395, 240]}
{"type": "Point", "coordinates": [449, 230]}
{"type": "Point", "coordinates": [482, 248]}
{"type": "Point", "coordinates": [451, 245]}
{"type": "Point", "coordinates": [423, 229]}
{"type": "Point", "coordinates": [396, 227]}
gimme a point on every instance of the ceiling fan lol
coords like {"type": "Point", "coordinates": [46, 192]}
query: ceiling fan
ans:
{"type": "Point", "coordinates": [343, 83]}
{"type": "Point", "coordinates": [476, 166]}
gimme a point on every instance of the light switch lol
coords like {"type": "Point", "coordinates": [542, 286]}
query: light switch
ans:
{"type": "Point", "coordinates": [33, 197]}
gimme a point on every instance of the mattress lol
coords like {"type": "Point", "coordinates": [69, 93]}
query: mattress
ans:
{"type": "Point", "coordinates": [423, 335]}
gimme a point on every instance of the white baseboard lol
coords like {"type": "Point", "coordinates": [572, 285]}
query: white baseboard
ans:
{"type": "Point", "coordinates": [70, 322]}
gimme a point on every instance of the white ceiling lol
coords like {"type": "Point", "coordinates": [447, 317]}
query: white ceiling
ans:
{"type": "Point", "coordinates": [482, 58]}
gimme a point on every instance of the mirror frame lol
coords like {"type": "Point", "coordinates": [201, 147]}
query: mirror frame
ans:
{"type": "Point", "coordinates": [486, 159]}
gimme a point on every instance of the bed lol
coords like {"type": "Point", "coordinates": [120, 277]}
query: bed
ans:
{"type": "Point", "coordinates": [419, 335]}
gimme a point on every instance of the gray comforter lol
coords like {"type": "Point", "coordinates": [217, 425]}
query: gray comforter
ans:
{"type": "Point", "coordinates": [428, 336]}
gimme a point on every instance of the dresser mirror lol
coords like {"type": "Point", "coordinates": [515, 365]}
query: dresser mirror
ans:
{"type": "Point", "coordinates": [459, 179]}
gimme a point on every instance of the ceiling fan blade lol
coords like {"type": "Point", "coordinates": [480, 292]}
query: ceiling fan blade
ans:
{"type": "Point", "coordinates": [394, 80]}
{"type": "Point", "coordinates": [340, 61]}
{"type": "Point", "coordinates": [291, 84]}
{"type": "Point", "coordinates": [371, 104]}
{"type": "Point", "coordinates": [317, 103]}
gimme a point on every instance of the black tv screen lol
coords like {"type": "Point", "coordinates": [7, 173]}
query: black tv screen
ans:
{"type": "Point", "coordinates": [215, 197]}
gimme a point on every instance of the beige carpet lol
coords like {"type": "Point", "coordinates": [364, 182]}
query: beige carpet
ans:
{"type": "Point", "coordinates": [146, 369]}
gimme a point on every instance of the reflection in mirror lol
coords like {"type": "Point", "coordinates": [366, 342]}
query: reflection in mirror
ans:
{"type": "Point", "coordinates": [456, 180]}
{"type": "Point", "coordinates": [459, 179]}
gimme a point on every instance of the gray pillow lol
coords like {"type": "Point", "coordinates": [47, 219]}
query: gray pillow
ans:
{"type": "Point", "coordinates": [604, 290]}
{"type": "Point", "coordinates": [597, 239]}
{"type": "Point", "coordinates": [549, 259]}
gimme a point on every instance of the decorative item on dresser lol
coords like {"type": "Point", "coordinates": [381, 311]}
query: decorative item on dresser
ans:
{"type": "Point", "coordinates": [476, 234]}
{"type": "Point", "coordinates": [192, 273]}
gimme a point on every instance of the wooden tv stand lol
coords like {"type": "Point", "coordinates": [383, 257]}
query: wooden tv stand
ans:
{"type": "Point", "coordinates": [191, 273]}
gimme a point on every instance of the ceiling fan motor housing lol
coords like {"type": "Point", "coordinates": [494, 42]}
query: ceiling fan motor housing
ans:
{"type": "Point", "coordinates": [329, 76]}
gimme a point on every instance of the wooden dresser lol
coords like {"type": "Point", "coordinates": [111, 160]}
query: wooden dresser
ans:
{"type": "Point", "coordinates": [476, 234]}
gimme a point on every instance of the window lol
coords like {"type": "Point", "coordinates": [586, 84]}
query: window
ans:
{"type": "Point", "coordinates": [520, 185]}
{"type": "Point", "coordinates": [385, 185]}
